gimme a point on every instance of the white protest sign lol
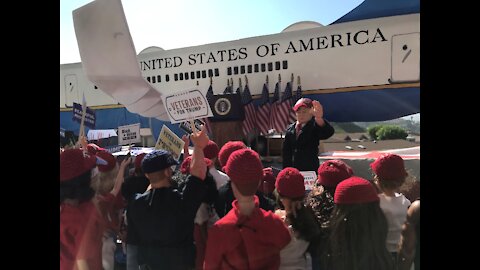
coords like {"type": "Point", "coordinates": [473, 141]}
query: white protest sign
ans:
{"type": "Point", "coordinates": [129, 134]}
{"type": "Point", "coordinates": [167, 140]}
{"type": "Point", "coordinates": [309, 178]}
{"type": "Point", "coordinates": [191, 104]}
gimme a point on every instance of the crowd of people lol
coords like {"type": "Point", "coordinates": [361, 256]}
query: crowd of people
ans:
{"type": "Point", "coordinates": [220, 208]}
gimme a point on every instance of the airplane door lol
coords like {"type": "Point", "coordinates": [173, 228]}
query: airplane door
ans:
{"type": "Point", "coordinates": [405, 58]}
{"type": "Point", "coordinates": [71, 90]}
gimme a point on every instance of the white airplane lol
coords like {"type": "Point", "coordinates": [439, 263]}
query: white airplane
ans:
{"type": "Point", "coordinates": [363, 67]}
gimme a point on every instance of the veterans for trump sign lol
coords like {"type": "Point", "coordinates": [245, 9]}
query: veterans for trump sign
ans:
{"type": "Point", "coordinates": [184, 106]}
{"type": "Point", "coordinates": [309, 178]}
{"type": "Point", "coordinates": [168, 140]}
{"type": "Point", "coordinates": [129, 134]}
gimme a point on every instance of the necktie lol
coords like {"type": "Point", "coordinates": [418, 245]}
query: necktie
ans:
{"type": "Point", "coordinates": [298, 129]}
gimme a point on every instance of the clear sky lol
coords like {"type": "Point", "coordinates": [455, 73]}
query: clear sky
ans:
{"type": "Point", "coordinates": [183, 23]}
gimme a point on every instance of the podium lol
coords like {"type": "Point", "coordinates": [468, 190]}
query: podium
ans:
{"type": "Point", "coordinates": [228, 115]}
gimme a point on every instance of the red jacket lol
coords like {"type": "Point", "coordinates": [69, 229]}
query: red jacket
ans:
{"type": "Point", "coordinates": [246, 242]}
{"type": "Point", "coordinates": [81, 230]}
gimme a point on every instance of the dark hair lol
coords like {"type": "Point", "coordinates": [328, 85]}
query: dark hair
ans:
{"type": "Point", "coordinates": [321, 200]}
{"type": "Point", "coordinates": [357, 239]}
{"type": "Point", "coordinates": [305, 224]}
{"type": "Point", "coordinates": [77, 188]}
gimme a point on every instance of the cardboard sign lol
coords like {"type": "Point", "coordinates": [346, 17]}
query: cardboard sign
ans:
{"type": "Point", "coordinates": [129, 134]}
{"type": "Point", "coordinates": [167, 140]}
{"type": "Point", "coordinates": [191, 104]}
{"type": "Point", "coordinates": [309, 179]}
{"type": "Point", "coordinates": [185, 126]}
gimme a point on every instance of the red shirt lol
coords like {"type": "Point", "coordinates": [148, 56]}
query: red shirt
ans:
{"type": "Point", "coordinates": [110, 207]}
{"type": "Point", "coordinates": [81, 230]}
{"type": "Point", "coordinates": [246, 242]}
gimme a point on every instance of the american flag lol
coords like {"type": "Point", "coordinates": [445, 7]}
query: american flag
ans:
{"type": "Point", "coordinates": [298, 94]}
{"type": "Point", "coordinates": [250, 121]}
{"type": "Point", "coordinates": [263, 112]}
{"type": "Point", "coordinates": [285, 111]}
{"type": "Point", "coordinates": [209, 96]}
{"type": "Point", "coordinates": [275, 119]}
{"type": "Point", "coordinates": [228, 90]}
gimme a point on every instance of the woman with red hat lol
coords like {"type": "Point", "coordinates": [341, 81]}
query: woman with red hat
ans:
{"type": "Point", "coordinates": [302, 224]}
{"type": "Point", "coordinates": [390, 175]}
{"type": "Point", "coordinates": [81, 225]}
{"type": "Point", "coordinates": [320, 199]}
{"type": "Point", "coordinates": [358, 229]}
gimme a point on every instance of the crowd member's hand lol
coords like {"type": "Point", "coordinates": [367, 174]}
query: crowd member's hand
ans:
{"type": "Point", "coordinates": [198, 167]}
{"type": "Point", "coordinates": [281, 213]}
{"type": "Point", "coordinates": [186, 140]}
{"type": "Point", "coordinates": [199, 138]}
{"type": "Point", "coordinates": [317, 109]}
{"type": "Point", "coordinates": [267, 170]}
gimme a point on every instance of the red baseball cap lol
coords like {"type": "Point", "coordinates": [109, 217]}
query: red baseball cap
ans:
{"type": "Point", "coordinates": [303, 102]}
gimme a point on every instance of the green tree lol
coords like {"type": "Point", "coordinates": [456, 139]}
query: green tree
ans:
{"type": "Point", "coordinates": [388, 132]}
{"type": "Point", "coordinates": [372, 131]}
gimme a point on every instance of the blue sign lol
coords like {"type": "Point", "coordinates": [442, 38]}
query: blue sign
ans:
{"type": "Point", "coordinates": [89, 115]}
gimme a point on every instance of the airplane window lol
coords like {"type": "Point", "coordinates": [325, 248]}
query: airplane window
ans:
{"type": "Point", "coordinates": [192, 75]}
{"type": "Point", "coordinates": [148, 79]}
{"type": "Point", "coordinates": [181, 76]}
{"type": "Point", "coordinates": [256, 67]}
{"type": "Point", "coordinates": [175, 76]}
{"type": "Point", "coordinates": [249, 68]}
{"type": "Point", "coordinates": [204, 73]}
{"type": "Point", "coordinates": [159, 78]}
{"type": "Point", "coordinates": [263, 67]}
{"type": "Point", "coordinates": [242, 69]}
{"type": "Point", "coordinates": [198, 74]}
{"type": "Point", "coordinates": [186, 75]}
{"type": "Point", "coordinates": [235, 70]}
{"type": "Point", "coordinates": [217, 72]}
{"type": "Point", "coordinates": [167, 78]}
{"type": "Point", "coordinates": [229, 71]}
{"type": "Point", "coordinates": [154, 79]}
{"type": "Point", "coordinates": [285, 64]}
{"type": "Point", "coordinates": [210, 73]}
{"type": "Point", "coordinates": [277, 65]}
{"type": "Point", "coordinates": [270, 66]}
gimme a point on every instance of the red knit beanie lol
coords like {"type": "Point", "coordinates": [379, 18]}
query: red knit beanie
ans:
{"type": "Point", "coordinates": [331, 172]}
{"type": "Point", "coordinates": [138, 161]}
{"type": "Point", "coordinates": [211, 150]}
{"type": "Point", "coordinates": [268, 182]}
{"type": "Point", "coordinates": [73, 163]}
{"type": "Point", "coordinates": [389, 167]}
{"type": "Point", "coordinates": [185, 166]}
{"type": "Point", "coordinates": [227, 149]}
{"type": "Point", "coordinates": [355, 190]}
{"type": "Point", "coordinates": [245, 170]}
{"type": "Point", "coordinates": [290, 183]}
{"type": "Point", "coordinates": [109, 158]}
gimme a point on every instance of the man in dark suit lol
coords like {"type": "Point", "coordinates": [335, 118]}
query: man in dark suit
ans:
{"type": "Point", "coordinates": [300, 147]}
